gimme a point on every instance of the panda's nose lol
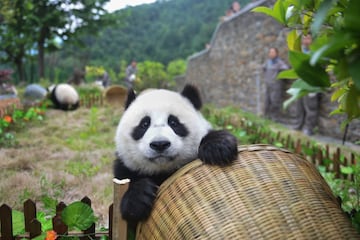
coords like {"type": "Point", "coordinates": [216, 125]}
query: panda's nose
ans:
{"type": "Point", "coordinates": [160, 146]}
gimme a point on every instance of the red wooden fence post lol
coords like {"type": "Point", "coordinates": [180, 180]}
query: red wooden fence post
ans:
{"type": "Point", "coordinates": [287, 143]}
{"type": "Point", "coordinates": [58, 226]}
{"type": "Point", "coordinates": [278, 136]}
{"type": "Point", "coordinates": [29, 213]}
{"type": "Point", "coordinates": [327, 156]}
{"type": "Point", "coordinates": [32, 225]}
{"type": "Point", "coordinates": [352, 162]}
{"type": "Point", "coordinates": [298, 147]}
{"type": "Point", "coordinates": [336, 163]}
{"type": "Point", "coordinates": [320, 157]}
{"type": "Point", "coordinates": [6, 223]}
{"type": "Point", "coordinates": [111, 220]}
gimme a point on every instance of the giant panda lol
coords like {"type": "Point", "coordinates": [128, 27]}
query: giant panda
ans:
{"type": "Point", "coordinates": [159, 132]}
{"type": "Point", "coordinates": [64, 96]}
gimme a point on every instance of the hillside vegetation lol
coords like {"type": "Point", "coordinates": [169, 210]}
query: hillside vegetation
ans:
{"type": "Point", "coordinates": [162, 31]}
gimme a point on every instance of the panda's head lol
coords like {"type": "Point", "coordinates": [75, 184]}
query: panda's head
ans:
{"type": "Point", "coordinates": [160, 130]}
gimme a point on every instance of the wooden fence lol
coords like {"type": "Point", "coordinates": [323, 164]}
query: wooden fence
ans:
{"type": "Point", "coordinates": [319, 156]}
{"type": "Point", "coordinates": [117, 226]}
{"type": "Point", "coordinates": [7, 106]}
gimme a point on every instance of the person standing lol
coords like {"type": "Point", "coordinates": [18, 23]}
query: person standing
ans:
{"type": "Point", "coordinates": [235, 6]}
{"type": "Point", "coordinates": [274, 87]}
{"type": "Point", "coordinates": [307, 108]}
{"type": "Point", "coordinates": [130, 73]}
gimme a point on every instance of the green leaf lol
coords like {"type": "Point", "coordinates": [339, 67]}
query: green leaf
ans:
{"type": "Point", "coordinates": [352, 106]}
{"type": "Point", "coordinates": [18, 222]}
{"type": "Point", "coordinates": [354, 70]}
{"type": "Point", "coordinates": [78, 215]}
{"type": "Point", "coordinates": [278, 11]}
{"type": "Point", "coordinates": [303, 85]}
{"type": "Point", "coordinates": [320, 16]}
{"type": "Point", "coordinates": [293, 41]}
{"type": "Point", "coordinates": [346, 170]}
{"type": "Point", "coordinates": [265, 10]}
{"type": "Point", "coordinates": [287, 74]}
{"type": "Point", "coordinates": [334, 47]}
{"type": "Point", "coordinates": [351, 16]}
{"type": "Point", "coordinates": [45, 220]}
{"type": "Point", "coordinates": [338, 94]}
{"type": "Point", "coordinates": [313, 75]}
{"type": "Point", "coordinates": [295, 93]}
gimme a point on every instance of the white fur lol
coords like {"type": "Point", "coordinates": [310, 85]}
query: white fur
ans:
{"type": "Point", "coordinates": [66, 94]}
{"type": "Point", "coordinates": [158, 105]}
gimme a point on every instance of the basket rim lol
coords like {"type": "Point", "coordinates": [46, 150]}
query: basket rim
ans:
{"type": "Point", "coordinates": [197, 162]}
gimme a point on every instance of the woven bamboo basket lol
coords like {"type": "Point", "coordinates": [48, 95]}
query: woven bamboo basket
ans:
{"type": "Point", "coordinates": [115, 95]}
{"type": "Point", "coordinates": [268, 193]}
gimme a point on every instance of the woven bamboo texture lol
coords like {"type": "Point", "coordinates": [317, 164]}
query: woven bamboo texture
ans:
{"type": "Point", "coordinates": [115, 95]}
{"type": "Point", "coordinates": [268, 193]}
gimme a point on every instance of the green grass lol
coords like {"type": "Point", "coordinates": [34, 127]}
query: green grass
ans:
{"type": "Point", "coordinates": [64, 158]}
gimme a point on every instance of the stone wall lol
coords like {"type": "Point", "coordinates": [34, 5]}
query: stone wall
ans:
{"type": "Point", "coordinates": [230, 71]}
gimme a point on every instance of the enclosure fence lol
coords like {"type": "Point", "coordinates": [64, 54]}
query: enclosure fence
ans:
{"type": "Point", "coordinates": [117, 226]}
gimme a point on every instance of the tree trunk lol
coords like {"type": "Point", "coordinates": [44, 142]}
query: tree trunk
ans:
{"type": "Point", "coordinates": [41, 60]}
{"type": "Point", "coordinates": [41, 52]}
{"type": "Point", "coordinates": [20, 69]}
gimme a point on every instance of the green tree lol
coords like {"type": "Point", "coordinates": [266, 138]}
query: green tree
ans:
{"type": "Point", "coordinates": [152, 75]}
{"type": "Point", "coordinates": [335, 27]}
{"type": "Point", "coordinates": [36, 24]}
{"type": "Point", "coordinates": [65, 19]}
{"type": "Point", "coordinates": [15, 34]}
{"type": "Point", "coordinates": [175, 68]}
{"type": "Point", "coordinates": [6, 10]}
{"type": "Point", "coordinates": [160, 32]}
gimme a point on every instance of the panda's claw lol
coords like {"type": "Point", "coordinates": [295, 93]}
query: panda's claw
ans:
{"type": "Point", "coordinates": [138, 201]}
{"type": "Point", "coordinates": [218, 148]}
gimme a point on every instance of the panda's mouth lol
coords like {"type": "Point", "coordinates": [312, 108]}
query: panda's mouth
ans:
{"type": "Point", "coordinates": [162, 158]}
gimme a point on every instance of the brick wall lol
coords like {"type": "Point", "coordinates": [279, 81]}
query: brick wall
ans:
{"type": "Point", "coordinates": [229, 72]}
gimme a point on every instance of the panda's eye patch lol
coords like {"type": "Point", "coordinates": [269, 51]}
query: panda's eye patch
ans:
{"type": "Point", "coordinates": [177, 126]}
{"type": "Point", "coordinates": [173, 121]}
{"type": "Point", "coordinates": [139, 131]}
{"type": "Point", "coordinates": [145, 122]}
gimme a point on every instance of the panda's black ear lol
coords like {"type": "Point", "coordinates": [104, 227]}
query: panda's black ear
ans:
{"type": "Point", "coordinates": [130, 98]}
{"type": "Point", "coordinates": [192, 93]}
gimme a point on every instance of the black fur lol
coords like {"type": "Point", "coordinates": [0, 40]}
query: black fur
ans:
{"type": "Point", "coordinates": [218, 148]}
{"type": "Point", "coordinates": [139, 131]}
{"type": "Point", "coordinates": [192, 93]}
{"type": "Point", "coordinates": [179, 128]}
{"type": "Point", "coordinates": [130, 98]}
{"type": "Point", "coordinates": [138, 201]}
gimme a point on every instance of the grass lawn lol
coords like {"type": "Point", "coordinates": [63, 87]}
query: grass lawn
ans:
{"type": "Point", "coordinates": [64, 158]}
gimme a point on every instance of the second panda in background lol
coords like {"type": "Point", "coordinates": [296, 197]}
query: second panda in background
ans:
{"type": "Point", "coordinates": [64, 96]}
{"type": "Point", "coordinates": [159, 132]}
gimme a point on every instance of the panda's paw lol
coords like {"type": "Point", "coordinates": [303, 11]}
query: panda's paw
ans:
{"type": "Point", "coordinates": [218, 148]}
{"type": "Point", "coordinates": [138, 201]}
